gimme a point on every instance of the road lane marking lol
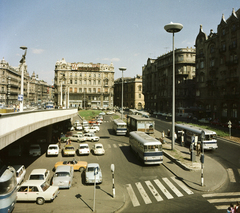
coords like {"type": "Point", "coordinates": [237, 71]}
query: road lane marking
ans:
{"type": "Point", "coordinates": [231, 175]}
{"type": "Point", "coordinates": [223, 194]}
{"type": "Point", "coordinates": [172, 187]}
{"type": "Point", "coordinates": [182, 185]}
{"type": "Point", "coordinates": [224, 200]}
{"type": "Point", "coordinates": [114, 145]}
{"type": "Point", "coordinates": [163, 189]}
{"type": "Point", "coordinates": [132, 195]}
{"type": "Point", "coordinates": [143, 193]}
{"type": "Point", "coordinates": [154, 191]}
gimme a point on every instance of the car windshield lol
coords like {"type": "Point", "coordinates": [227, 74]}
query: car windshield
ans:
{"type": "Point", "coordinates": [62, 174]}
{"type": "Point", "coordinates": [99, 147]}
{"type": "Point", "coordinates": [52, 147]}
{"type": "Point", "coordinates": [36, 177]}
{"type": "Point", "coordinates": [69, 148]}
{"type": "Point", "coordinates": [83, 147]}
{"type": "Point", "coordinates": [91, 169]}
{"type": "Point", "coordinates": [45, 186]}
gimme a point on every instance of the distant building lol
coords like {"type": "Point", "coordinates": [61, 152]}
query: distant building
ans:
{"type": "Point", "coordinates": [133, 97]}
{"type": "Point", "coordinates": [157, 81]}
{"type": "Point", "coordinates": [83, 84]}
{"type": "Point", "coordinates": [218, 71]}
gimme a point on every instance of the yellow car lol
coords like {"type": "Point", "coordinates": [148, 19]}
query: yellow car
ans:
{"type": "Point", "coordinates": [68, 150]}
{"type": "Point", "coordinates": [77, 165]}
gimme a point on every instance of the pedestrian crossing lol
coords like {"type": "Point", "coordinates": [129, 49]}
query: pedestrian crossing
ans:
{"type": "Point", "coordinates": [116, 145]}
{"type": "Point", "coordinates": [232, 174]}
{"type": "Point", "coordinates": [222, 200]}
{"type": "Point", "coordinates": [156, 190]}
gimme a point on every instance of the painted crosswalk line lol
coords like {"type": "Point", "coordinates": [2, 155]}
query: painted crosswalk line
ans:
{"type": "Point", "coordinates": [132, 195]}
{"type": "Point", "coordinates": [172, 187]}
{"type": "Point", "coordinates": [163, 189]}
{"type": "Point", "coordinates": [182, 185]}
{"type": "Point", "coordinates": [154, 191]}
{"type": "Point", "coordinates": [143, 193]}
{"type": "Point", "coordinates": [231, 175]}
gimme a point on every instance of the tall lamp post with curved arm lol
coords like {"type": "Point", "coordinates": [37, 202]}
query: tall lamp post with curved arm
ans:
{"type": "Point", "coordinates": [122, 69]}
{"type": "Point", "coordinates": [22, 61]}
{"type": "Point", "coordinates": [173, 28]}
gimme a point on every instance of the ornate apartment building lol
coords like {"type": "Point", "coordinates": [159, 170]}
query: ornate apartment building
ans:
{"type": "Point", "coordinates": [133, 97]}
{"type": "Point", "coordinates": [157, 81]}
{"type": "Point", "coordinates": [35, 90]}
{"type": "Point", "coordinates": [218, 70]}
{"type": "Point", "coordinates": [83, 84]}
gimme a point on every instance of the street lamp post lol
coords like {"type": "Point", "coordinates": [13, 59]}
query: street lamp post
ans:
{"type": "Point", "coordinates": [173, 28]}
{"type": "Point", "coordinates": [22, 61]}
{"type": "Point", "coordinates": [122, 69]}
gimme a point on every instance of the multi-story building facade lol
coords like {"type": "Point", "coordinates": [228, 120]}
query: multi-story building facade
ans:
{"type": "Point", "coordinates": [133, 97]}
{"type": "Point", "coordinates": [218, 71]}
{"type": "Point", "coordinates": [157, 81]}
{"type": "Point", "coordinates": [34, 90]}
{"type": "Point", "coordinates": [83, 84]}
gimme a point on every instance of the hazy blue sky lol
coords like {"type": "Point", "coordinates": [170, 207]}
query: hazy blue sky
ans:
{"type": "Point", "coordinates": [125, 32]}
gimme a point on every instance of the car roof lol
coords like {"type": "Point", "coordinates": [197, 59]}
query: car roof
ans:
{"type": "Point", "coordinates": [96, 144]}
{"type": "Point", "coordinates": [17, 167]}
{"type": "Point", "coordinates": [93, 165]}
{"type": "Point", "coordinates": [38, 171]}
{"type": "Point", "coordinates": [69, 145]}
{"type": "Point", "coordinates": [65, 168]}
{"type": "Point", "coordinates": [53, 145]}
{"type": "Point", "coordinates": [32, 182]}
{"type": "Point", "coordinates": [83, 144]}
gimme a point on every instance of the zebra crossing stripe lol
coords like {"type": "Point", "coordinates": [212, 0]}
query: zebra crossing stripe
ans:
{"type": "Point", "coordinates": [114, 145]}
{"type": "Point", "coordinates": [154, 191]}
{"type": "Point", "coordinates": [231, 175]}
{"type": "Point", "coordinates": [222, 207]}
{"type": "Point", "coordinates": [120, 145]}
{"type": "Point", "coordinates": [132, 195]}
{"type": "Point", "coordinates": [143, 193]}
{"type": "Point", "coordinates": [221, 200]}
{"type": "Point", "coordinates": [182, 185]}
{"type": "Point", "coordinates": [109, 146]}
{"type": "Point", "coordinates": [172, 187]}
{"type": "Point", "coordinates": [224, 194]}
{"type": "Point", "coordinates": [163, 189]}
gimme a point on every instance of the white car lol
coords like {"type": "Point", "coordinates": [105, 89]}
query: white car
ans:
{"type": "Point", "coordinates": [36, 190]}
{"type": "Point", "coordinates": [102, 113]}
{"type": "Point", "coordinates": [92, 129]}
{"type": "Point", "coordinates": [110, 113]}
{"type": "Point", "coordinates": [99, 121]}
{"type": "Point", "coordinates": [98, 149]}
{"type": "Point", "coordinates": [89, 173]}
{"type": "Point", "coordinates": [20, 173]}
{"type": "Point", "coordinates": [63, 176]}
{"type": "Point", "coordinates": [91, 137]}
{"type": "Point", "coordinates": [35, 150]}
{"type": "Point", "coordinates": [78, 127]}
{"type": "Point", "coordinates": [83, 149]}
{"type": "Point", "coordinates": [53, 149]}
{"type": "Point", "coordinates": [39, 174]}
{"type": "Point", "coordinates": [77, 138]}
{"type": "Point", "coordinates": [204, 120]}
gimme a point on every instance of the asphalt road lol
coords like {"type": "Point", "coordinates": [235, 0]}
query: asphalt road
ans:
{"type": "Point", "coordinates": [130, 177]}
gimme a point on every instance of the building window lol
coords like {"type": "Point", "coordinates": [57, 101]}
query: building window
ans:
{"type": "Point", "coordinates": [212, 49]}
{"type": "Point", "coordinates": [75, 81]}
{"type": "Point", "coordinates": [139, 88]}
{"type": "Point", "coordinates": [202, 64]}
{"type": "Point", "coordinates": [80, 74]}
{"type": "Point", "coordinates": [80, 89]}
{"type": "Point", "coordinates": [89, 82]}
{"type": "Point", "coordinates": [85, 82]}
{"type": "Point", "coordinates": [94, 90]}
{"type": "Point", "coordinates": [198, 93]}
{"type": "Point", "coordinates": [94, 82]}
{"type": "Point", "coordinates": [99, 82]}
{"type": "Point", "coordinates": [139, 95]}
{"type": "Point", "coordinates": [75, 90]}
{"type": "Point", "coordinates": [70, 89]}
{"type": "Point", "coordinates": [223, 32]}
{"type": "Point", "coordinates": [212, 63]}
{"type": "Point", "coordinates": [99, 90]}
{"type": "Point", "coordinates": [224, 110]}
{"type": "Point", "coordinates": [70, 81]}
{"type": "Point", "coordinates": [89, 90]}
{"type": "Point", "coordinates": [234, 111]}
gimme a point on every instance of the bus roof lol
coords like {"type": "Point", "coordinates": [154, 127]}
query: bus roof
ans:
{"type": "Point", "coordinates": [194, 129]}
{"type": "Point", "coordinates": [139, 118]}
{"type": "Point", "coordinates": [145, 138]}
{"type": "Point", "coordinates": [119, 121]}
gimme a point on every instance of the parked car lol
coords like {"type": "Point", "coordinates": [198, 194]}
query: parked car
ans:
{"type": "Point", "coordinates": [68, 150]}
{"type": "Point", "coordinates": [92, 121]}
{"type": "Point", "coordinates": [204, 120]}
{"type": "Point", "coordinates": [35, 190]}
{"type": "Point", "coordinates": [110, 113]}
{"type": "Point", "coordinates": [91, 137]}
{"type": "Point", "coordinates": [78, 126]}
{"type": "Point", "coordinates": [39, 174]}
{"type": "Point", "coordinates": [89, 173]}
{"type": "Point", "coordinates": [77, 138]}
{"type": "Point", "coordinates": [20, 173]}
{"type": "Point", "coordinates": [99, 121]}
{"type": "Point", "coordinates": [77, 165]}
{"type": "Point", "coordinates": [102, 113]}
{"type": "Point", "coordinates": [92, 129]}
{"type": "Point", "coordinates": [98, 149]}
{"type": "Point", "coordinates": [63, 177]}
{"type": "Point", "coordinates": [35, 150]}
{"type": "Point", "coordinates": [53, 149]}
{"type": "Point", "coordinates": [83, 149]}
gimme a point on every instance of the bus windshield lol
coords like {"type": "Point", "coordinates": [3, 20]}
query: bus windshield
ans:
{"type": "Point", "coordinates": [8, 186]}
{"type": "Point", "coordinates": [210, 137]}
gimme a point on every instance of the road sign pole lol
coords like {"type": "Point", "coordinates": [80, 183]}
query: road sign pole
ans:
{"type": "Point", "coordinates": [229, 126]}
{"type": "Point", "coordinates": [94, 192]}
{"type": "Point", "coordinates": [112, 170]}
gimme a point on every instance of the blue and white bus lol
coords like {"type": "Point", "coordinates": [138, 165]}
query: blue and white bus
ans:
{"type": "Point", "coordinates": [189, 132]}
{"type": "Point", "coordinates": [8, 188]}
{"type": "Point", "coordinates": [120, 127]}
{"type": "Point", "coordinates": [49, 105]}
{"type": "Point", "coordinates": [147, 148]}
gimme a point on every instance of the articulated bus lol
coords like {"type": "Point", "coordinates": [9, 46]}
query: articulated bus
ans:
{"type": "Point", "coordinates": [147, 148]}
{"type": "Point", "coordinates": [8, 188]}
{"type": "Point", "coordinates": [120, 127]}
{"type": "Point", "coordinates": [190, 132]}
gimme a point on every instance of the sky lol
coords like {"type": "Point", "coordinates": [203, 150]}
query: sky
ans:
{"type": "Point", "coordinates": [124, 32]}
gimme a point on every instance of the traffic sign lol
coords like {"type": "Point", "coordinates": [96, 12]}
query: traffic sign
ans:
{"type": "Point", "coordinates": [20, 97]}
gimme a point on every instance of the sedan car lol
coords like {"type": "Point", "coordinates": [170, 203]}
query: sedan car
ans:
{"type": "Point", "coordinates": [92, 170]}
{"type": "Point", "coordinates": [39, 174]}
{"type": "Point", "coordinates": [68, 150]}
{"type": "Point", "coordinates": [36, 190]}
{"type": "Point", "coordinates": [77, 165]}
{"type": "Point", "coordinates": [110, 113]}
{"type": "Point", "coordinates": [204, 120]}
{"type": "Point", "coordinates": [53, 149]}
{"type": "Point", "coordinates": [91, 137]}
{"type": "Point", "coordinates": [63, 177]}
{"type": "Point", "coordinates": [20, 173]}
{"type": "Point", "coordinates": [77, 138]}
{"type": "Point", "coordinates": [98, 149]}
{"type": "Point", "coordinates": [35, 150]}
{"type": "Point", "coordinates": [83, 149]}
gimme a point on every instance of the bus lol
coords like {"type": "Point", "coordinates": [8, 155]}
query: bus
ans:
{"type": "Point", "coordinates": [8, 188]}
{"type": "Point", "coordinates": [49, 105]}
{"type": "Point", "coordinates": [147, 148]}
{"type": "Point", "coordinates": [120, 127]}
{"type": "Point", "coordinates": [191, 133]}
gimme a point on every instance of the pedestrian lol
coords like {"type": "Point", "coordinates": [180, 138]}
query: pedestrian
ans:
{"type": "Point", "coordinates": [232, 208]}
{"type": "Point", "coordinates": [59, 143]}
{"type": "Point", "coordinates": [237, 207]}
{"type": "Point", "coordinates": [229, 210]}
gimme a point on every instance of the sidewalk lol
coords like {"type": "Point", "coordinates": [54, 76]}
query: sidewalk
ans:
{"type": "Point", "coordinates": [178, 161]}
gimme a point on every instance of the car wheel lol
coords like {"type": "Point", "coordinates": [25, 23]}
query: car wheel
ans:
{"type": "Point", "coordinates": [81, 169]}
{"type": "Point", "coordinates": [40, 201]}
